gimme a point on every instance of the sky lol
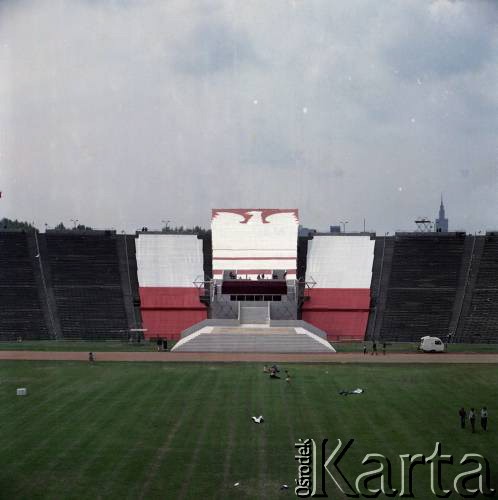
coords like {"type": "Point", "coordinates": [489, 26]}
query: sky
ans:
{"type": "Point", "coordinates": [127, 113]}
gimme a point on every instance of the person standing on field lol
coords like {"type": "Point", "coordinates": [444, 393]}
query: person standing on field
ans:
{"type": "Point", "coordinates": [462, 414]}
{"type": "Point", "coordinates": [472, 419]}
{"type": "Point", "coordinates": [484, 418]}
{"type": "Point", "coordinates": [374, 348]}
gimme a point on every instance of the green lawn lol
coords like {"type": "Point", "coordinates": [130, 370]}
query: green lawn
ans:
{"type": "Point", "coordinates": [75, 345]}
{"type": "Point", "coordinates": [412, 347]}
{"type": "Point", "coordinates": [137, 430]}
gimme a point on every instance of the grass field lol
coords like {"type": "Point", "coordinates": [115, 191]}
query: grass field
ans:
{"type": "Point", "coordinates": [78, 346]}
{"type": "Point", "coordinates": [140, 431]}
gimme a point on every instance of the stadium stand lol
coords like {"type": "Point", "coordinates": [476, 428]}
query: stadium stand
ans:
{"type": "Point", "coordinates": [86, 283]}
{"type": "Point", "coordinates": [21, 303]}
{"type": "Point", "coordinates": [207, 253]}
{"type": "Point", "coordinates": [481, 319]}
{"type": "Point", "coordinates": [167, 266]}
{"type": "Point", "coordinates": [420, 295]}
{"type": "Point", "coordinates": [341, 267]}
{"type": "Point", "coordinates": [381, 271]}
{"type": "Point", "coordinates": [129, 281]}
{"type": "Point", "coordinates": [302, 256]}
{"type": "Point", "coordinates": [461, 297]}
{"type": "Point", "coordinates": [98, 285]}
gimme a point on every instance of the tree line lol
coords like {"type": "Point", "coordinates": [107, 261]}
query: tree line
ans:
{"type": "Point", "coordinates": [23, 225]}
{"type": "Point", "coordinates": [9, 224]}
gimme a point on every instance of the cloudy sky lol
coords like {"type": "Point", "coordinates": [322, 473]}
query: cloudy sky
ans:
{"type": "Point", "coordinates": [123, 113]}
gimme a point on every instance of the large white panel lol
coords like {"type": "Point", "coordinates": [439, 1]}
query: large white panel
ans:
{"type": "Point", "coordinates": [169, 260]}
{"type": "Point", "coordinates": [254, 238]}
{"type": "Point", "coordinates": [340, 261]}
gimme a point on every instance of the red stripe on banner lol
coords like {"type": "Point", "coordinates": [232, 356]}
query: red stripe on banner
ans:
{"type": "Point", "coordinates": [169, 324]}
{"type": "Point", "coordinates": [338, 299]}
{"type": "Point", "coordinates": [170, 298]}
{"type": "Point", "coordinates": [339, 325]}
{"type": "Point", "coordinates": [254, 258]}
{"type": "Point", "coordinates": [166, 312]}
{"type": "Point", "coordinates": [341, 312]}
{"type": "Point", "coordinates": [264, 213]}
{"type": "Point", "coordinates": [251, 249]}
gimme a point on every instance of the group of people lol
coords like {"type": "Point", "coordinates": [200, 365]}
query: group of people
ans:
{"type": "Point", "coordinates": [374, 348]}
{"type": "Point", "coordinates": [471, 415]}
{"type": "Point", "coordinates": [233, 276]}
{"type": "Point", "coordinates": [274, 371]}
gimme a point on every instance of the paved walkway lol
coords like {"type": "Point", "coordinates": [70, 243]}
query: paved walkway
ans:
{"type": "Point", "coordinates": [253, 357]}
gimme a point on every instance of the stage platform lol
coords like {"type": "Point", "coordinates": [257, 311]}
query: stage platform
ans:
{"type": "Point", "coordinates": [253, 338]}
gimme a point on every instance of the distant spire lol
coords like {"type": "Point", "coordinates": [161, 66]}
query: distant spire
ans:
{"type": "Point", "coordinates": [441, 208]}
{"type": "Point", "coordinates": [442, 221]}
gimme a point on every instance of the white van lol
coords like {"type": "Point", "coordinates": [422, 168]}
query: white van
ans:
{"type": "Point", "coordinates": [431, 344]}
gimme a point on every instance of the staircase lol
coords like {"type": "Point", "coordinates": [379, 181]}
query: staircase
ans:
{"type": "Point", "coordinates": [254, 313]}
{"type": "Point", "coordinates": [262, 339]}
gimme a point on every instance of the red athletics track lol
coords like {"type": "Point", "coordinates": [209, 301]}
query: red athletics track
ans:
{"type": "Point", "coordinates": [252, 357]}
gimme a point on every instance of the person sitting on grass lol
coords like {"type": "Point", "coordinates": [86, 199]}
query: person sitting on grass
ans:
{"type": "Point", "coordinates": [265, 369]}
{"type": "Point", "coordinates": [273, 373]}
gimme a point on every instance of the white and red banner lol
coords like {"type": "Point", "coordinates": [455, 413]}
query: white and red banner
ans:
{"type": "Point", "coordinates": [339, 303]}
{"type": "Point", "coordinates": [167, 266]}
{"type": "Point", "coordinates": [255, 241]}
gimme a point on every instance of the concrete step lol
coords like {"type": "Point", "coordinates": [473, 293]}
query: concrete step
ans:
{"type": "Point", "coordinates": [285, 342]}
{"type": "Point", "coordinates": [252, 329]}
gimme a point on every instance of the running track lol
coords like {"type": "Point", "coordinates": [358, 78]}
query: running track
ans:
{"type": "Point", "coordinates": [252, 357]}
